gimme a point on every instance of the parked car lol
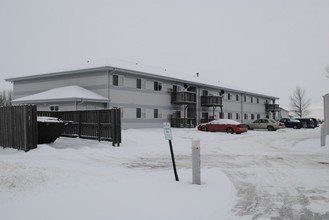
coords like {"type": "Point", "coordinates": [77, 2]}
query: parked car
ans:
{"type": "Point", "coordinates": [265, 123]}
{"type": "Point", "coordinates": [307, 122]}
{"type": "Point", "coordinates": [316, 122]}
{"type": "Point", "coordinates": [291, 123]}
{"type": "Point", "coordinates": [224, 125]}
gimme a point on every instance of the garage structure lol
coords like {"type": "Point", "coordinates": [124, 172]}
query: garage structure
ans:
{"type": "Point", "coordinates": [145, 99]}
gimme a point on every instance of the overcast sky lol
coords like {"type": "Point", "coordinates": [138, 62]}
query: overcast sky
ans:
{"type": "Point", "coordinates": [268, 46]}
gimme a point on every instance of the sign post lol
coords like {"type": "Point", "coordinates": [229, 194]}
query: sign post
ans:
{"type": "Point", "coordinates": [168, 136]}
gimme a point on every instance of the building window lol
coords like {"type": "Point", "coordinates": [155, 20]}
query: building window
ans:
{"type": "Point", "coordinates": [229, 115]}
{"type": "Point", "coordinates": [117, 80]}
{"type": "Point", "coordinates": [237, 116]}
{"type": "Point", "coordinates": [156, 113]}
{"type": "Point", "coordinates": [53, 107]}
{"type": "Point", "coordinates": [258, 116]}
{"type": "Point", "coordinates": [245, 98]}
{"type": "Point", "coordinates": [237, 97]}
{"type": "Point", "coordinates": [257, 100]}
{"type": "Point", "coordinates": [157, 86]}
{"type": "Point", "coordinates": [252, 99]}
{"type": "Point", "coordinates": [138, 83]}
{"type": "Point", "coordinates": [252, 116]}
{"type": "Point", "coordinates": [205, 92]}
{"type": "Point", "coordinates": [228, 96]}
{"type": "Point", "coordinates": [138, 112]}
{"type": "Point", "coordinates": [245, 116]}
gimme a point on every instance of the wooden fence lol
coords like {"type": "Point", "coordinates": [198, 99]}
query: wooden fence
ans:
{"type": "Point", "coordinates": [18, 127]}
{"type": "Point", "coordinates": [91, 124]}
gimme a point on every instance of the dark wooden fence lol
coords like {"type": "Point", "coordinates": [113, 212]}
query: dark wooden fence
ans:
{"type": "Point", "coordinates": [91, 124]}
{"type": "Point", "coordinates": [18, 127]}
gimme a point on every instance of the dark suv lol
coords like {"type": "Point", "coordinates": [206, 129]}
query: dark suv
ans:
{"type": "Point", "coordinates": [291, 123]}
{"type": "Point", "coordinates": [307, 122]}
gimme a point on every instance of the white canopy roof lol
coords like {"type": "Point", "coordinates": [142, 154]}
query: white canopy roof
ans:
{"type": "Point", "coordinates": [67, 93]}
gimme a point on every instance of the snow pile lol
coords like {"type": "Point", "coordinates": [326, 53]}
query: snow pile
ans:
{"type": "Point", "coordinates": [48, 119]}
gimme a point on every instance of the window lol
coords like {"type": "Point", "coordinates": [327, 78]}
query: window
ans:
{"type": "Point", "coordinates": [156, 113]}
{"type": "Point", "coordinates": [257, 100]}
{"type": "Point", "coordinates": [229, 115]}
{"type": "Point", "coordinates": [204, 92]}
{"type": "Point", "coordinates": [157, 86]}
{"type": "Point", "coordinates": [245, 116]}
{"type": "Point", "coordinates": [228, 96]}
{"type": "Point", "coordinates": [117, 80]}
{"type": "Point", "coordinates": [138, 112]}
{"type": "Point", "coordinates": [237, 97]}
{"type": "Point", "coordinates": [258, 116]}
{"type": "Point", "coordinates": [138, 83]}
{"type": "Point", "coordinates": [53, 107]}
{"type": "Point", "coordinates": [237, 116]}
{"type": "Point", "coordinates": [252, 99]}
{"type": "Point", "coordinates": [252, 116]}
{"type": "Point", "coordinates": [245, 98]}
{"type": "Point", "coordinates": [205, 115]}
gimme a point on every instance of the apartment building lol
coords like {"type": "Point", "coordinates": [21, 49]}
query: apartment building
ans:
{"type": "Point", "coordinates": [146, 99]}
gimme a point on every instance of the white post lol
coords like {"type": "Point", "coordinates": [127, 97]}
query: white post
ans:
{"type": "Point", "coordinates": [323, 134]}
{"type": "Point", "coordinates": [196, 162]}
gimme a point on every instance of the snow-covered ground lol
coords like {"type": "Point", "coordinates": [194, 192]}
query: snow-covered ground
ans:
{"type": "Point", "coordinates": [255, 175]}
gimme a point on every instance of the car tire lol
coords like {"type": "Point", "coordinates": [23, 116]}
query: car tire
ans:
{"type": "Point", "coordinates": [249, 127]}
{"type": "Point", "coordinates": [230, 130]}
{"type": "Point", "coordinates": [295, 126]}
{"type": "Point", "coordinates": [270, 128]}
{"type": "Point", "coordinates": [204, 128]}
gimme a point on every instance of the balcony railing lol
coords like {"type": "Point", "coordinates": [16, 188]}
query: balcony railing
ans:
{"type": "Point", "coordinates": [272, 107]}
{"type": "Point", "coordinates": [182, 98]}
{"type": "Point", "coordinates": [183, 122]}
{"type": "Point", "coordinates": [211, 101]}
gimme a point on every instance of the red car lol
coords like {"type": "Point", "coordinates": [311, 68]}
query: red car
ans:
{"type": "Point", "coordinates": [224, 125]}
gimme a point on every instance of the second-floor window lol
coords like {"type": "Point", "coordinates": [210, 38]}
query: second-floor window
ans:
{"type": "Point", "coordinates": [204, 92]}
{"type": "Point", "coordinates": [138, 83]}
{"type": "Point", "coordinates": [54, 108]}
{"type": "Point", "coordinates": [117, 80]}
{"type": "Point", "coordinates": [157, 86]}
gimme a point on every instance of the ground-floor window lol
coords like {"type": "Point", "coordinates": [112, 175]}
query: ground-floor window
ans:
{"type": "Point", "coordinates": [229, 115]}
{"type": "Point", "coordinates": [245, 116]}
{"type": "Point", "coordinates": [140, 113]}
{"type": "Point", "coordinates": [252, 116]}
{"type": "Point", "coordinates": [156, 113]}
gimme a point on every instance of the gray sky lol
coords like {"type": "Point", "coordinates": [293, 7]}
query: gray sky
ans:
{"type": "Point", "coordinates": [268, 46]}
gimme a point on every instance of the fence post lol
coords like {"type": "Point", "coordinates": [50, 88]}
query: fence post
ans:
{"type": "Point", "coordinates": [98, 114]}
{"type": "Point", "coordinates": [79, 125]}
{"type": "Point", "coordinates": [113, 124]}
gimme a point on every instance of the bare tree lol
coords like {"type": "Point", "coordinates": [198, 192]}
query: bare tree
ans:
{"type": "Point", "coordinates": [5, 97]}
{"type": "Point", "coordinates": [300, 106]}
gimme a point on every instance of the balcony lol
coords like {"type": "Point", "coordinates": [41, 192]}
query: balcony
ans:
{"type": "Point", "coordinates": [182, 98]}
{"type": "Point", "coordinates": [183, 122]}
{"type": "Point", "coordinates": [211, 101]}
{"type": "Point", "coordinates": [272, 107]}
